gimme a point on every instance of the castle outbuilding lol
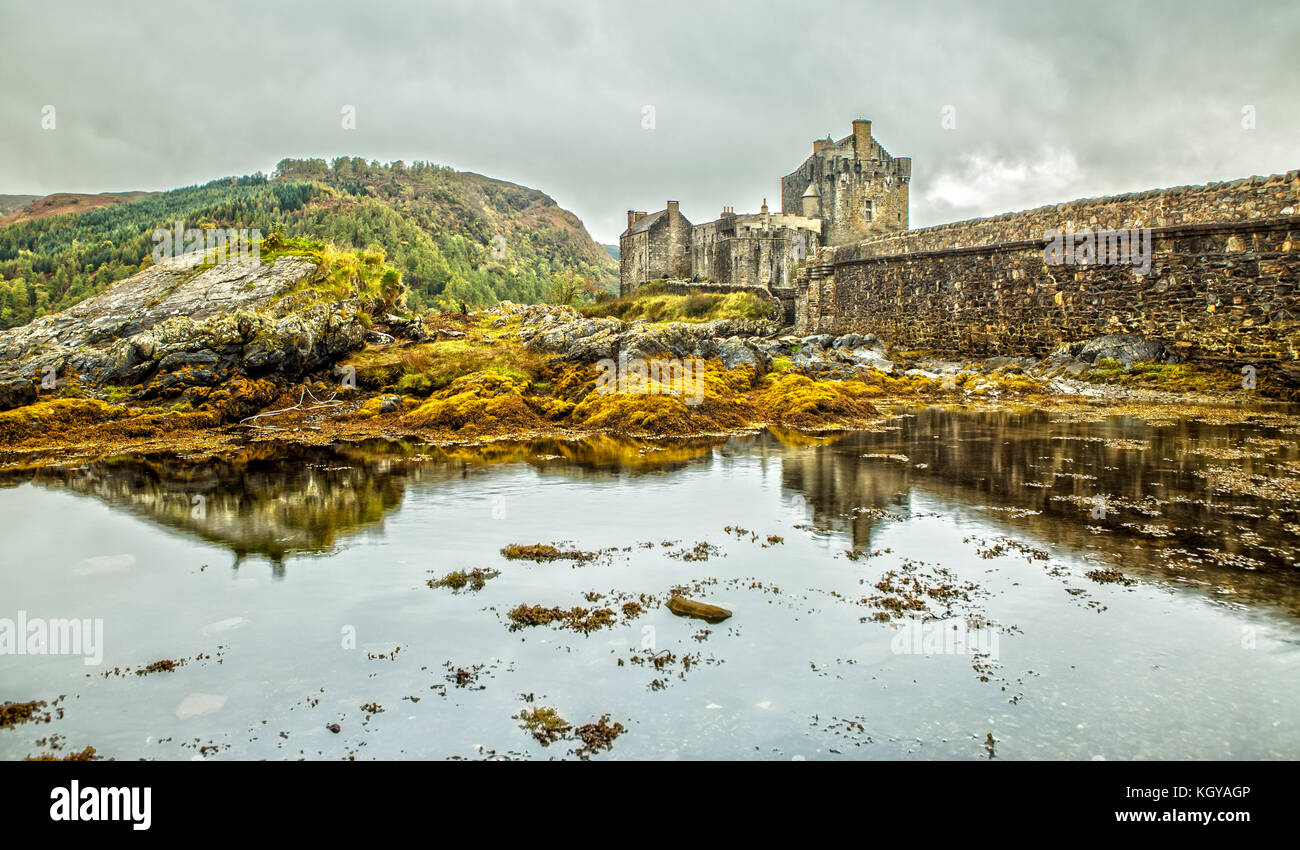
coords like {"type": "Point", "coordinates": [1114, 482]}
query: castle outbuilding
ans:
{"type": "Point", "coordinates": [843, 192]}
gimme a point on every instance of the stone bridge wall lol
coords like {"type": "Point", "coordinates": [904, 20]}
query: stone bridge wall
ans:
{"type": "Point", "coordinates": [1223, 280]}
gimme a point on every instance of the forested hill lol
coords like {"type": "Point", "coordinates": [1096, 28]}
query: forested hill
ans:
{"type": "Point", "coordinates": [456, 236]}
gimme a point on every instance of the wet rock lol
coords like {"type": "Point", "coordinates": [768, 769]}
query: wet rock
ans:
{"type": "Point", "coordinates": [334, 727]}
{"type": "Point", "coordinates": [737, 342]}
{"type": "Point", "coordinates": [580, 340]}
{"type": "Point", "coordinates": [1008, 364]}
{"type": "Point", "coordinates": [732, 352]}
{"type": "Point", "coordinates": [684, 607]}
{"type": "Point", "coordinates": [16, 392]}
{"type": "Point", "coordinates": [872, 357]}
{"type": "Point", "coordinates": [379, 338]}
{"type": "Point", "coordinates": [859, 341]}
{"type": "Point", "coordinates": [390, 404]}
{"type": "Point", "coordinates": [1124, 348]}
{"type": "Point", "coordinates": [181, 359]}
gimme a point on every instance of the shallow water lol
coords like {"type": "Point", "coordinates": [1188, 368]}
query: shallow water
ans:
{"type": "Point", "coordinates": [286, 580]}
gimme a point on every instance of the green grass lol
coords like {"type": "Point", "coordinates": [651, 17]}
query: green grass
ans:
{"type": "Point", "coordinates": [697, 307]}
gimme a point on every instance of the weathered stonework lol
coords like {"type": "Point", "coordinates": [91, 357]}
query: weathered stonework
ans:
{"type": "Point", "coordinates": [654, 246]}
{"type": "Point", "coordinates": [847, 190]}
{"type": "Point", "coordinates": [854, 185]}
{"type": "Point", "coordinates": [1223, 280]}
{"type": "Point", "coordinates": [752, 250]}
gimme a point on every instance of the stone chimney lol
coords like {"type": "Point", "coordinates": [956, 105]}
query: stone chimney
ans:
{"type": "Point", "coordinates": [861, 136]}
{"type": "Point", "coordinates": [672, 209]}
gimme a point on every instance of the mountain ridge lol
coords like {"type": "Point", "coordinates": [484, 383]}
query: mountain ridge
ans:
{"type": "Point", "coordinates": [456, 236]}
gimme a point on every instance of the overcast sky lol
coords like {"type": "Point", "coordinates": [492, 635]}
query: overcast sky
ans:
{"type": "Point", "coordinates": [1050, 103]}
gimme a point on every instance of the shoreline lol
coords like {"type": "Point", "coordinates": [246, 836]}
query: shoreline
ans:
{"type": "Point", "coordinates": [72, 444]}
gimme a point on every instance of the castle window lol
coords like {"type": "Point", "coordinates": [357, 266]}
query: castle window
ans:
{"type": "Point", "coordinates": [866, 211]}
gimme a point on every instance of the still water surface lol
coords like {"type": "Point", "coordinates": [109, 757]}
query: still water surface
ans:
{"type": "Point", "coordinates": [294, 583]}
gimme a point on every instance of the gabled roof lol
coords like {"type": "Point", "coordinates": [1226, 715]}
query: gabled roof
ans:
{"type": "Point", "coordinates": [645, 223]}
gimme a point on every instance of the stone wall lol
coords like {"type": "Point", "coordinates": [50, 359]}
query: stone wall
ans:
{"type": "Point", "coordinates": [633, 262]}
{"type": "Point", "coordinates": [1224, 279]}
{"type": "Point", "coordinates": [1214, 290]}
{"type": "Point", "coordinates": [726, 252]}
{"type": "Point", "coordinates": [1248, 199]}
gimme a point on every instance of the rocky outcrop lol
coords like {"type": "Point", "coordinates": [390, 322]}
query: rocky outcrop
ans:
{"type": "Point", "coordinates": [178, 325]}
{"type": "Point", "coordinates": [734, 342]}
{"type": "Point", "coordinates": [566, 333]}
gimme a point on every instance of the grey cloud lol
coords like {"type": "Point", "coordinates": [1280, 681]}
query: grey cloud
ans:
{"type": "Point", "coordinates": [1051, 103]}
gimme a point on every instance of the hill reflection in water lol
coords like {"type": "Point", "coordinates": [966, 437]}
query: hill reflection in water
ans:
{"type": "Point", "coordinates": [1211, 505]}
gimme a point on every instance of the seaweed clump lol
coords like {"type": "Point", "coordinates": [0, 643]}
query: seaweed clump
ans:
{"type": "Point", "coordinates": [165, 665]}
{"type": "Point", "coordinates": [800, 402]}
{"type": "Point", "coordinates": [1109, 575]}
{"type": "Point", "coordinates": [543, 723]}
{"type": "Point", "coordinates": [578, 619]}
{"type": "Point", "coordinates": [543, 552]}
{"type": "Point", "coordinates": [88, 754]}
{"type": "Point", "coordinates": [597, 736]}
{"type": "Point", "coordinates": [478, 403]}
{"type": "Point", "coordinates": [13, 713]}
{"type": "Point", "coordinates": [458, 580]}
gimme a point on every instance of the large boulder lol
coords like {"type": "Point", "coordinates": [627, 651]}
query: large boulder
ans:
{"type": "Point", "coordinates": [1124, 348]}
{"type": "Point", "coordinates": [16, 392]}
{"type": "Point", "coordinates": [178, 324]}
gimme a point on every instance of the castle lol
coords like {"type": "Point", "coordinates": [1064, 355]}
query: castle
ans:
{"type": "Point", "coordinates": [844, 192]}
{"type": "Point", "coordinates": [1220, 281]}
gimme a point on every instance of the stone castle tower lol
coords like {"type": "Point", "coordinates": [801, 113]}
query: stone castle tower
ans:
{"type": "Point", "coordinates": [854, 186]}
{"type": "Point", "coordinates": [844, 192]}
